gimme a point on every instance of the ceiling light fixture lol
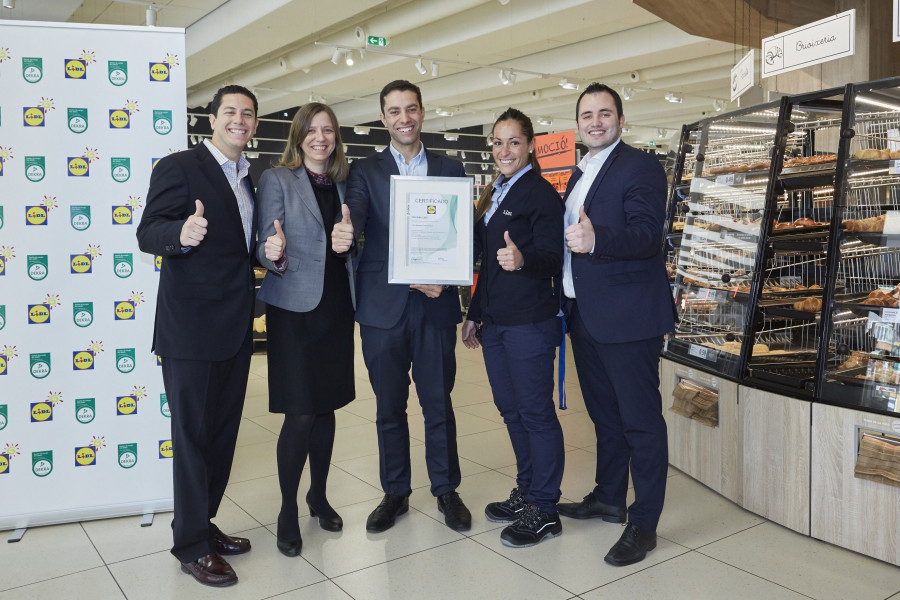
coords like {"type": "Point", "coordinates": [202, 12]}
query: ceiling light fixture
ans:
{"type": "Point", "coordinates": [485, 155]}
{"type": "Point", "coordinates": [627, 93]}
{"type": "Point", "coordinates": [361, 130]}
{"type": "Point", "coordinates": [336, 57]}
{"type": "Point", "coordinates": [661, 133]}
{"type": "Point", "coordinates": [567, 85]}
{"type": "Point", "coordinates": [380, 148]}
{"type": "Point", "coordinates": [484, 166]}
{"type": "Point", "coordinates": [9, 3]}
{"type": "Point", "coordinates": [451, 137]}
{"type": "Point", "coordinates": [443, 112]}
{"type": "Point", "coordinates": [419, 66]}
{"type": "Point", "coordinates": [719, 105]}
{"type": "Point", "coordinates": [151, 13]}
{"type": "Point", "coordinates": [545, 121]}
{"type": "Point", "coordinates": [672, 97]}
{"type": "Point", "coordinates": [504, 78]}
{"type": "Point", "coordinates": [348, 59]}
{"type": "Point", "coordinates": [626, 130]}
{"type": "Point", "coordinates": [192, 120]}
{"type": "Point", "coordinates": [434, 68]}
{"type": "Point", "coordinates": [462, 154]}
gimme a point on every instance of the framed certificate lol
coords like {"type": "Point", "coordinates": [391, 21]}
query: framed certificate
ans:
{"type": "Point", "coordinates": [431, 230]}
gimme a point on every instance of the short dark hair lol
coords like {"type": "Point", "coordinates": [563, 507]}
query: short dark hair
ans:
{"type": "Point", "coordinates": [400, 85]}
{"type": "Point", "coordinates": [596, 88]}
{"type": "Point", "coordinates": [231, 89]}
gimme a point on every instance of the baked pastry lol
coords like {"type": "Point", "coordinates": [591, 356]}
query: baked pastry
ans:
{"type": "Point", "coordinates": [856, 360]}
{"type": "Point", "coordinates": [871, 224]}
{"type": "Point", "coordinates": [809, 305]}
{"type": "Point", "coordinates": [804, 222]}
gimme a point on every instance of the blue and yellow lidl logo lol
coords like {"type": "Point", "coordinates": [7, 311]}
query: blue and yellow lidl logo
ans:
{"type": "Point", "coordinates": [38, 313]}
{"type": "Point", "coordinates": [431, 209]}
{"type": "Point", "coordinates": [126, 405]}
{"type": "Point", "coordinates": [153, 162]}
{"type": "Point", "coordinates": [76, 68]}
{"type": "Point", "coordinates": [35, 215]}
{"type": "Point", "coordinates": [125, 310]}
{"type": "Point", "coordinates": [80, 263]}
{"type": "Point", "coordinates": [85, 456]}
{"type": "Point", "coordinates": [119, 118]}
{"type": "Point", "coordinates": [78, 166]}
{"type": "Point", "coordinates": [159, 71]}
{"type": "Point", "coordinates": [2, 365]}
{"type": "Point", "coordinates": [4, 464]}
{"type": "Point", "coordinates": [121, 215]}
{"type": "Point", "coordinates": [33, 116]}
{"type": "Point", "coordinates": [2, 266]}
{"type": "Point", "coordinates": [157, 263]}
{"type": "Point", "coordinates": [165, 449]}
{"type": "Point", "coordinates": [41, 411]}
{"type": "Point", "coordinates": [82, 360]}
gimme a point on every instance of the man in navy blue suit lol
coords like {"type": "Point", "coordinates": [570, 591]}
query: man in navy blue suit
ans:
{"type": "Point", "coordinates": [618, 306]}
{"type": "Point", "coordinates": [403, 325]}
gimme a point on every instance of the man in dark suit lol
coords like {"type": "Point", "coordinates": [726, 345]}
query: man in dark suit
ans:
{"type": "Point", "coordinates": [618, 306]}
{"type": "Point", "coordinates": [404, 325]}
{"type": "Point", "coordinates": [199, 217]}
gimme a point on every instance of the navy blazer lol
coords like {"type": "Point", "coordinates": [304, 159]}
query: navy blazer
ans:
{"type": "Point", "coordinates": [378, 303]}
{"type": "Point", "coordinates": [622, 288]}
{"type": "Point", "coordinates": [204, 308]}
{"type": "Point", "coordinates": [533, 213]}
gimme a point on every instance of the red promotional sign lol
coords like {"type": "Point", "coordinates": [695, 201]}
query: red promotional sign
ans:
{"type": "Point", "coordinates": [555, 150]}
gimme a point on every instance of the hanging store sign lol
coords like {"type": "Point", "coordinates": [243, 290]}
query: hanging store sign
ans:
{"type": "Point", "coordinates": [896, 20]}
{"type": "Point", "coordinates": [818, 42]}
{"type": "Point", "coordinates": [743, 75]}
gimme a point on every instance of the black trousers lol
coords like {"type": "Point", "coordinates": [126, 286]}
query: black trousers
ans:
{"type": "Point", "coordinates": [206, 399]}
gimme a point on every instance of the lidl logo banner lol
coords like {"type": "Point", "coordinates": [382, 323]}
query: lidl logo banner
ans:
{"type": "Point", "coordinates": [123, 265]}
{"type": "Point", "coordinates": [32, 69]}
{"type": "Point", "coordinates": [85, 410]}
{"type": "Point", "coordinates": [82, 360]}
{"type": "Point", "coordinates": [41, 411]}
{"type": "Point", "coordinates": [157, 263]}
{"type": "Point", "coordinates": [124, 310]}
{"type": "Point", "coordinates": [38, 266]}
{"type": "Point", "coordinates": [42, 463]}
{"type": "Point", "coordinates": [119, 119]}
{"type": "Point", "coordinates": [153, 162]}
{"type": "Point", "coordinates": [80, 217]}
{"type": "Point", "coordinates": [125, 360]}
{"type": "Point", "coordinates": [165, 449]}
{"type": "Point", "coordinates": [85, 456]}
{"type": "Point", "coordinates": [78, 120]}
{"type": "Point", "coordinates": [163, 407]}
{"type": "Point", "coordinates": [4, 416]}
{"type": "Point", "coordinates": [35, 215]}
{"type": "Point", "coordinates": [128, 455]}
{"type": "Point", "coordinates": [38, 314]}
{"type": "Point", "coordinates": [33, 116]}
{"type": "Point", "coordinates": [78, 166]}
{"type": "Point", "coordinates": [118, 72]}
{"type": "Point", "coordinates": [83, 313]}
{"type": "Point", "coordinates": [159, 71]}
{"type": "Point", "coordinates": [121, 169]}
{"type": "Point", "coordinates": [76, 68]}
{"type": "Point", "coordinates": [35, 168]}
{"type": "Point", "coordinates": [40, 364]}
{"type": "Point", "coordinates": [4, 463]}
{"type": "Point", "coordinates": [162, 121]}
{"type": "Point", "coordinates": [126, 405]}
{"type": "Point", "coordinates": [121, 215]}
{"type": "Point", "coordinates": [80, 263]}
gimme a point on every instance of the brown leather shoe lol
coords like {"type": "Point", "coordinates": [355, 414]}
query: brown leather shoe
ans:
{"type": "Point", "coordinates": [227, 545]}
{"type": "Point", "coordinates": [211, 570]}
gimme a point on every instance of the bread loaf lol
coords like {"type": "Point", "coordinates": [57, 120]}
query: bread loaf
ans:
{"type": "Point", "coordinates": [809, 305]}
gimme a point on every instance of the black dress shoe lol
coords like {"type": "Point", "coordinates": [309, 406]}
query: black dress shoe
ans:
{"type": "Point", "coordinates": [329, 520]}
{"type": "Point", "coordinates": [456, 515]}
{"type": "Point", "coordinates": [288, 539]}
{"type": "Point", "coordinates": [211, 570]}
{"type": "Point", "coordinates": [632, 547]}
{"type": "Point", "coordinates": [384, 515]}
{"type": "Point", "coordinates": [227, 545]}
{"type": "Point", "coordinates": [591, 508]}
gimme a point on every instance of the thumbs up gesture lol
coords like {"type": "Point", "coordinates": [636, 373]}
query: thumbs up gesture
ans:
{"type": "Point", "coordinates": [580, 236]}
{"type": "Point", "coordinates": [194, 229]}
{"type": "Point", "coordinates": [275, 243]}
{"type": "Point", "coordinates": [342, 233]}
{"type": "Point", "coordinates": [510, 258]}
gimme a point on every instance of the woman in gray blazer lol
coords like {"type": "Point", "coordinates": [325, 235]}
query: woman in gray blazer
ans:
{"type": "Point", "coordinates": [309, 315]}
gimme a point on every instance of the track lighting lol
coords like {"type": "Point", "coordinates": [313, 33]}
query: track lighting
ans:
{"type": "Point", "coordinates": [192, 120]}
{"type": "Point", "coordinates": [361, 130]}
{"type": "Point", "coordinates": [348, 59]}
{"type": "Point", "coordinates": [567, 85]}
{"type": "Point", "coordinates": [451, 137]}
{"type": "Point", "coordinates": [545, 121]}
{"type": "Point", "coordinates": [12, 4]}
{"type": "Point", "coordinates": [419, 66]}
{"type": "Point", "coordinates": [462, 154]}
{"type": "Point", "coordinates": [627, 93]}
{"type": "Point", "coordinates": [434, 68]}
{"type": "Point", "coordinates": [443, 112]}
{"type": "Point", "coordinates": [671, 97]}
{"type": "Point", "coordinates": [504, 78]}
{"type": "Point", "coordinates": [336, 57]}
{"type": "Point", "coordinates": [719, 105]}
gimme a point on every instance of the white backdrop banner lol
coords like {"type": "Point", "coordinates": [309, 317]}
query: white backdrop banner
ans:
{"type": "Point", "coordinates": [85, 112]}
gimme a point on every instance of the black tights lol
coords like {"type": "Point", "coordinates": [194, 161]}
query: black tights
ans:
{"type": "Point", "coordinates": [303, 435]}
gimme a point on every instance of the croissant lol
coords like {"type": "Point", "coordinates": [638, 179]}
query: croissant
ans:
{"type": "Point", "coordinates": [809, 305]}
{"type": "Point", "coordinates": [872, 224]}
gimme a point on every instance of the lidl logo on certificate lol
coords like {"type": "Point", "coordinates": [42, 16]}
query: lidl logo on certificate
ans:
{"type": "Point", "coordinates": [431, 229]}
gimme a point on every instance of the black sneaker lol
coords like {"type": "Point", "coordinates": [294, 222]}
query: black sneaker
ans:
{"type": "Point", "coordinates": [507, 511]}
{"type": "Point", "coordinates": [533, 526]}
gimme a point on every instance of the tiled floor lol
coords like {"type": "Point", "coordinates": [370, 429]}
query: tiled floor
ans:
{"type": "Point", "coordinates": [708, 547]}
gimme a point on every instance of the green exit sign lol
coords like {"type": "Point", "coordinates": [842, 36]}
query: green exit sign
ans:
{"type": "Point", "coordinates": [376, 41]}
{"type": "Point", "coordinates": [652, 144]}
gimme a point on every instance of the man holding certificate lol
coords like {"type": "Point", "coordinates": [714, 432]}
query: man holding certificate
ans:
{"type": "Point", "coordinates": [403, 325]}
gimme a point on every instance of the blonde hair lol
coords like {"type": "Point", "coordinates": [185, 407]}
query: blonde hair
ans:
{"type": "Point", "coordinates": [292, 157]}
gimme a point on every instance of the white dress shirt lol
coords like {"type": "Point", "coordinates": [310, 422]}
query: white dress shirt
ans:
{"type": "Point", "coordinates": [236, 173]}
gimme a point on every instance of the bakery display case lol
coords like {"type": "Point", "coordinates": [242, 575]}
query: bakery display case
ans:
{"type": "Point", "coordinates": [680, 165]}
{"type": "Point", "coordinates": [859, 358]}
{"type": "Point", "coordinates": [795, 252]}
{"type": "Point", "coordinates": [724, 223]}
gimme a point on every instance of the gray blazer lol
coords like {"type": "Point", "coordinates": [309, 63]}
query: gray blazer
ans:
{"type": "Point", "coordinates": [287, 195]}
